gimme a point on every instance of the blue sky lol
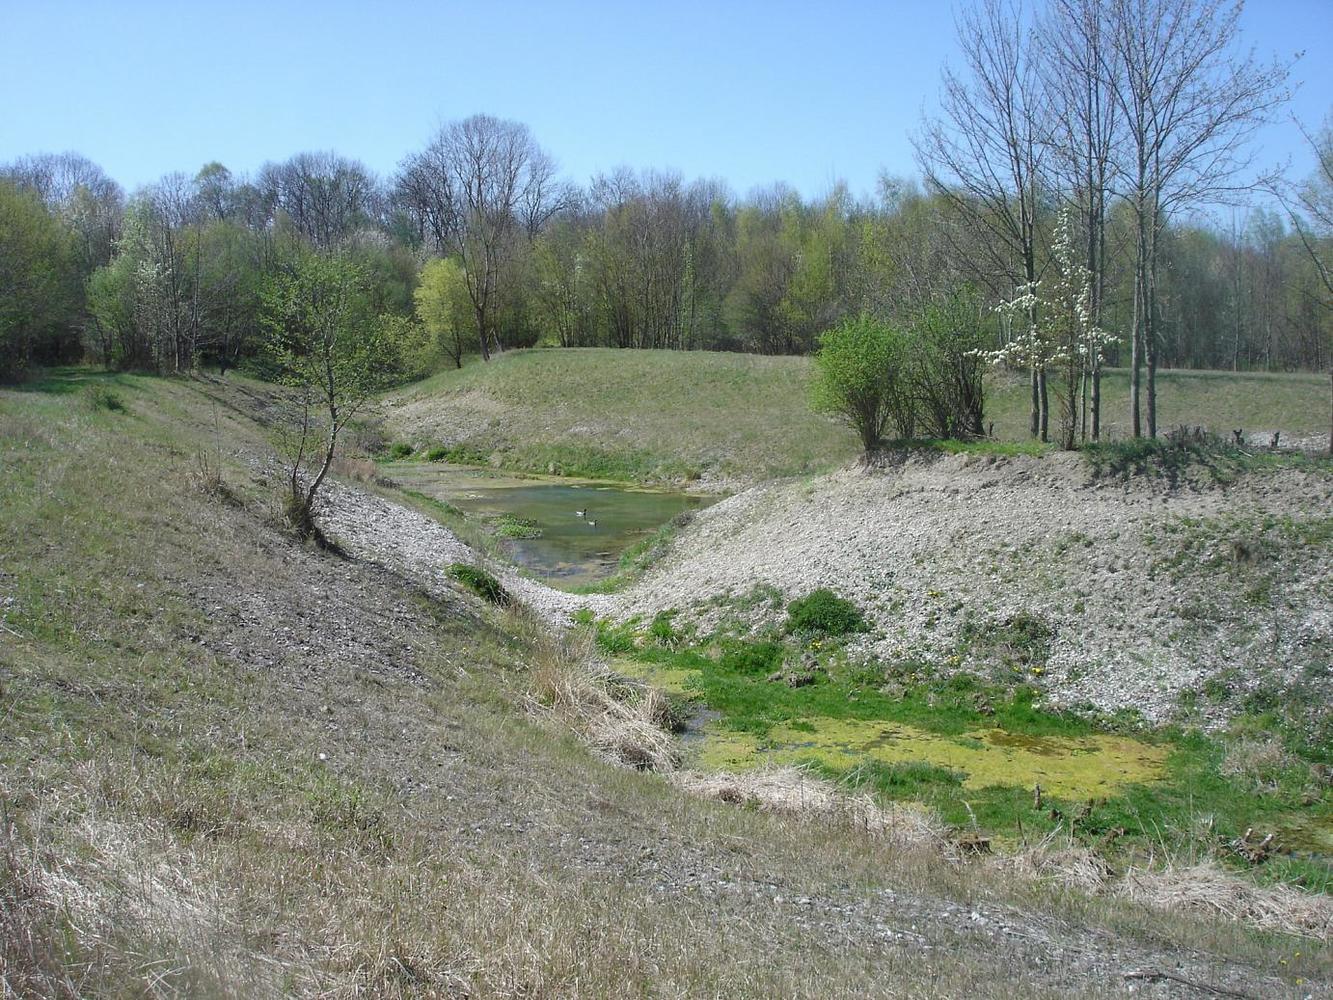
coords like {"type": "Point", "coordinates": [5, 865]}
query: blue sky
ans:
{"type": "Point", "coordinates": [748, 92]}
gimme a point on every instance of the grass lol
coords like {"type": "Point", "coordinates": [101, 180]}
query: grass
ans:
{"type": "Point", "coordinates": [231, 765]}
{"type": "Point", "coordinates": [654, 416]}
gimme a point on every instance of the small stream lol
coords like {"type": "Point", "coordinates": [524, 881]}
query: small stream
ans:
{"type": "Point", "coordinates": [573, 551]}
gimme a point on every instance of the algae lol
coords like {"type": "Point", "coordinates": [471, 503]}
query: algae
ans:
{"type": "Point", "coordinates": [1086, 767]}
{"type": "Point", "coordinates": [672, 680]}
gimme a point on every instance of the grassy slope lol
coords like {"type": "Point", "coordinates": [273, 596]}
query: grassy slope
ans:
{"type": "Point", "coordinates": [668, 414]}
{"type": "Point", "coordinates": [231, 766]}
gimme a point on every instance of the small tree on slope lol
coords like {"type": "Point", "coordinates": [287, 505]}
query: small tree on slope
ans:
{"type": "Point", "coordinates": [326, 346]}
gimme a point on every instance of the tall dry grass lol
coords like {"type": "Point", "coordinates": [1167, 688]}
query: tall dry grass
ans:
{"type": "Point", "coordinates": [621, 721]}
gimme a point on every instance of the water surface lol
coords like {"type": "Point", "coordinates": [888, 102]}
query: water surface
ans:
{"type": "Point", "coordinates": [573, 551]}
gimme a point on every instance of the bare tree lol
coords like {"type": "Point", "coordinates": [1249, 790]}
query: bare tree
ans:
{"type": "Point", "coordinates": [1190, 104]}
{"type": "Point", "coordinates": [1312, 218]}
{"type": "Point", "coordinates": [324, 197]}
{"type": "Point", "coordinates": [1085, 130]}
{"type": "Point", "coordinates": [480, 186]}
{"type": "Point", "coordinates": [985, 156]}
{"type": "Point", "coordinates": [78, 191]}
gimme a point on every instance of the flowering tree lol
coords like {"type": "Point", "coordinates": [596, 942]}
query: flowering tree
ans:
{"type": "Point", "coordinates": [1058, 334]}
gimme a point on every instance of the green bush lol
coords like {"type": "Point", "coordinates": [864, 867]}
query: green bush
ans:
{"type": "Point", "coordinates": [400, 449]}
{"type": "Point", "coordinates": [480, 583]}
{"type": "Point", "coordinates": [752, 657]}
{"type": "Point", "coordinates": [663, 631]}
{"type": "Point", "coordinates": [437, 454]}
{"type": "Point", "coordinates": [101, 398]}
{"type": "Point", "coordinates": [824, 611]}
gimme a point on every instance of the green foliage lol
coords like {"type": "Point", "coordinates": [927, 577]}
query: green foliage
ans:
{"type": "Point", "coordinates": [407, 343]}
{"type": "Point", "coordinates": [458, 454]}
{"type": "Point", "coordinates": [858, 376]}
{"type": "Point", "coordinates": [445, 310]}
{"type": "Point", "coordinates": [824, 611]}
{"type": "Point", "coordinates": [40, 285]}
{"type": "Point", "coordinates": [946, 369]}
{"type": "Point", "coordinates": [100, 397]}
{"type": "Point", "coordinates": [323, 342]}
{"type": "Point", "coordinates": [322, 336]}
{"type": "Point", "coordinates": [663, 631]}
{"type": "Point", "coordinates": [400, 450]}
{"type": "Point", "coordinates": [481, 583]}
{"type": "Point", "coordinates": [512, 526]}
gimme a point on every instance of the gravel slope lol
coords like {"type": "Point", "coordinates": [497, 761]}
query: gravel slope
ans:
{"type": "Point", "coordinates": [1146, 588]}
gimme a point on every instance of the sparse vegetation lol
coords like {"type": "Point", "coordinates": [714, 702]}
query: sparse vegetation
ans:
{"type": "Point", "coordinates": [150, 820]}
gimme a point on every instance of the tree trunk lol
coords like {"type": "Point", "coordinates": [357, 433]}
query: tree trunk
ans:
{"type": "Point", "coordinates": [1150, 325]}
{"type": "Point", "coordinates": [1097, 404]}
{"type": "Point", "coordinates": [1035, 416]}
{"type": "Point", "coordinates": [1045, 406]}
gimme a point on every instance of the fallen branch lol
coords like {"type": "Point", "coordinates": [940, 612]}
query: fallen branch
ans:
{"type": "Point", "coordinates": [1217, 991]}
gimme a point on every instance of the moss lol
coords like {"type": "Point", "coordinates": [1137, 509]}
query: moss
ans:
{"type": "Point", "coordinates": [672, 680]}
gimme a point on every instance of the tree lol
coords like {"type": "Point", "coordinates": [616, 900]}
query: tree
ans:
{"type": "Point", "coordinates": [1080, 81]}
{"type": "Point", "coordinates": [1313, 221]}
{"type": "Point", "coordinates": [323, 197]}
{"type": "Point", "coordinates": [947, 368]}
{"type": "Point", "coordinates": [857, 376]}
{"type": "Point", "coordinates": [327, 348]}
{"type": "Point", "coordinates": [40, 293]}
{"type": "Point", "coordinates": [986, 153]}
{"type": "Point", "coordinates": [443, 307]}
{"type": "Point", "coordinates": [477, 189]}
{"type": "Point", "coordinates": [1189, 105]}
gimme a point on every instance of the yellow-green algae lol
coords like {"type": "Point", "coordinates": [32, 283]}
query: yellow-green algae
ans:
{"type": "Point", "coordinates": [1071, 768]}
{"type": "Point", "coordinates": [672, 680]}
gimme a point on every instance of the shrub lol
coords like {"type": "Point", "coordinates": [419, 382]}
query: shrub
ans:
{"type": "Point", "coordinates": [400, 449]}
{"type": "Point", "coordinates": [437, 454]}
{"type": "Point", "coordinates": [858, 375]}
{"type": "Point", "coordinates": [663, 631]}
{"type": "Point", "coordinates": [480, 583]}
{"type": "Point", "coordinates": [753, 658]}
{"type": "Point", "coordinates": [824, 611]}
{"type": "Point", "coordinates": [101, 398]}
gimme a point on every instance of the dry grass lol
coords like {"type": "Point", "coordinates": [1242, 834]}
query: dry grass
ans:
{"type": "Point", "coordinates": [1261, 763]}
{"type": "Point", "coordinates": [255, 818]}
{"type": "Point", "coordinates": [623, 722]}
{"type": "Point", "coordinates": [796, 792]}
{"type": "Point", "coordinates": [1200, 888]}
{"type": "Point", "coordinates": [1208, 890]}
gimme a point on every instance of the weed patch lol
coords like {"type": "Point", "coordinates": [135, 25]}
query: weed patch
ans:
{"type": "Point", "coordinates": [481, 583]}
{"type": "Point", "coordinates": [824, 612]}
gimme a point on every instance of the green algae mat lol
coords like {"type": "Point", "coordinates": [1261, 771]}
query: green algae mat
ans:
{"type": "Point", "coordinates": [1087, 767]}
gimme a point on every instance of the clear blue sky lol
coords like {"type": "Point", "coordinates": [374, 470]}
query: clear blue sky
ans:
{"type": "Point", "coordinates": [805, 92]}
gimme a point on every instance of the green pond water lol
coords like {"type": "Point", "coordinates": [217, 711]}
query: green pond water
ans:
{"type": "Point", "coordinates": [572, 551]}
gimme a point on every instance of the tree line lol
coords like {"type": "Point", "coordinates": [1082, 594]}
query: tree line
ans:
{"type": "Point", "coordinates": [1062, 180]}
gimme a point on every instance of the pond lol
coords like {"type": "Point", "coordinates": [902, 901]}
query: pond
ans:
{"type": "Point", "coordinates": [571, 550]}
